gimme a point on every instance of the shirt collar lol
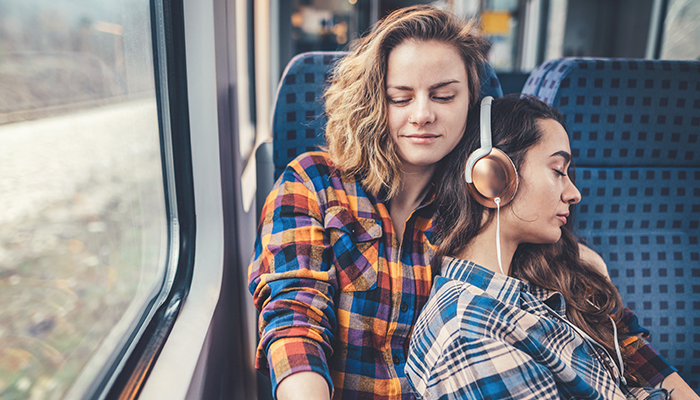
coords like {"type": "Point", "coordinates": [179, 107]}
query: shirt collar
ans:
{"type": "Point", "coordinates": [504, 288]}
{"type": "Point", "coordinates": [427, 199]}
{"type": "Point", "coordinates": [551, 298]}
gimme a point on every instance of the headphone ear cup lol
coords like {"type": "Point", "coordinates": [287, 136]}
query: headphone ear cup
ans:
{"type": "Point", "coordinates": [494, 175]}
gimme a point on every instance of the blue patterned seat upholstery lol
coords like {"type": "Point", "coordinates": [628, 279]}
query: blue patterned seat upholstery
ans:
{"type": "Point", "coordinates": [634, 127]}
{"type": "Point", "coordinates": [298, 119]}
{"type": "Point", "coordinates": [537, 77]}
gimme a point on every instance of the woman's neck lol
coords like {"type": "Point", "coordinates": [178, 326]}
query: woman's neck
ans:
{"type": "Point", "coordinates": [482, 250]}
{"type": "Point", "coordinates": [414, 186]}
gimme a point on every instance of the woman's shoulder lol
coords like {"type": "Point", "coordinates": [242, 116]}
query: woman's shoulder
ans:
{"type": "Point", "coordinates": [475, 311]}
{"type": "Point", "coordinates": [315, 164]}
{"type": "Point", "coordinates": [316, 171]}
{"type": "Point", "coordinates": [457, 296]}
{"type": "Point", "coordinates": [318, 161]}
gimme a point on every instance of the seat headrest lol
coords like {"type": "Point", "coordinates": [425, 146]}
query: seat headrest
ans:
{"type": "Point", "coordinates": [623, 112]}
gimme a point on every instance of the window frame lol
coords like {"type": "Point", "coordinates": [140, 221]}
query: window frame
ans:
{"type": "Point", "coordinates": [125, 377]}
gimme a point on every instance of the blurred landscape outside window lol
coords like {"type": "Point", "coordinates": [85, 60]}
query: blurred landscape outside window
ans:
{"type": "Point", "coordinates": [681, 38]}
{"type": "Point", "coordinates": [83, 226]}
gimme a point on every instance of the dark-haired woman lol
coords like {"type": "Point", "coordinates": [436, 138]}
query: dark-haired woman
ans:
{"type": "Point", "coordinates": [515, 312]}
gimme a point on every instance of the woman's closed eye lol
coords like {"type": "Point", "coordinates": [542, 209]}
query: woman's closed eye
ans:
{"type": "Point", "coordinates": [559, 172]}
{"type": "Point", "coordinates": [444, 99]}
{"type": "Point", "coordinates": [399, 101]}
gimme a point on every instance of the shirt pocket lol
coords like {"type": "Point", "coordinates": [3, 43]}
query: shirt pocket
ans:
{"type": "Point", "coordinates": [355, 244]}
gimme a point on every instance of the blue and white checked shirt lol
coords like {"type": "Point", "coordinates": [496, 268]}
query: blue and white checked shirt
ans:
{"type": "Point", "coordinates": [488, 336]}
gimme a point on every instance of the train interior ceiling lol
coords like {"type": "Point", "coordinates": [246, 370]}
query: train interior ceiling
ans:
{"type": "Point", "coordinates": [138, 143]}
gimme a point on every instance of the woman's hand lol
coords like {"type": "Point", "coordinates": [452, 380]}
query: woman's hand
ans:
{"type": "Point", "coordinates": [678, 388]}
{"type": "Point", "coordinates": [304, 386]}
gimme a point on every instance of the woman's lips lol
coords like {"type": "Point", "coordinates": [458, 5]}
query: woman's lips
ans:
{"type": "Point", "coordinates": [422, 138]}
{"type": "Point", "coordinates": [562, 218]}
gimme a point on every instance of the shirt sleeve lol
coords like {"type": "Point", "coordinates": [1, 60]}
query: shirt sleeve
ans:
{"type": "Point", "coordinates": [481, 368]}
{"type": "Point", "coordinates": [644, 365]}
{"type": "Point", "coordinates": [293, 281]}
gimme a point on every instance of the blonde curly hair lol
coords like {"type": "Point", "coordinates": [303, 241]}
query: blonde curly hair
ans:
{"type": "Point", "coordinates": [357, 131]}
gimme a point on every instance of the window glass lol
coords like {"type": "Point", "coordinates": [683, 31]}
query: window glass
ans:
{"type": "Point", "coordinates": [681, 31]}
{"type": "Point", "coordinates": [83, 228]}
{"type": "Point", "coordinates": [245, 60]}
{"type": "Point", "coordinates": [499, 20]}
{"type": "Point", "coordinates": [320, 25]}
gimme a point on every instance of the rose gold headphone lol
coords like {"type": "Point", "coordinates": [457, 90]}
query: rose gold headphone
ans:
{"type": "Point", "coordinates": [490, 173]}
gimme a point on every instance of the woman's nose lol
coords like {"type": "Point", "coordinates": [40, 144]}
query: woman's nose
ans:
{"type": "Point", "coordinates": [571, 194]}
{"type": "Point", "coordinates": [422, 112]}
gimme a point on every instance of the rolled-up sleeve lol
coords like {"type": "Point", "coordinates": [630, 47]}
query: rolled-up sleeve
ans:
{"type": "Point", "coordinates": [645, 366]}
{"type": "Point", "coordinates": [293, 280]}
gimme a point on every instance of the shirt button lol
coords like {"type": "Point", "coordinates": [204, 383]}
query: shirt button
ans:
{"type": "Point", "coordinates": [404, 307]}
{"type": "Point", "coordinates": [397, 360]}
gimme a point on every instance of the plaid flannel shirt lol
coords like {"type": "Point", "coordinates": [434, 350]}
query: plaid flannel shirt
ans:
{"type": "Point", "coordinates": [487, 336]}
{"type": "Point", "coordinates": [336, 293]}
{"type": "Point", "coordinates": [645, 366]}
{"type": "Point", "coordinates": [333, 293]}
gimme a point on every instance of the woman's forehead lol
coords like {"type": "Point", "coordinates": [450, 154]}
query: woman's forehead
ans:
{"type": "Point", "coordinates": [425, 61]}
{"type": "Point", "coordinates": [554, 139]}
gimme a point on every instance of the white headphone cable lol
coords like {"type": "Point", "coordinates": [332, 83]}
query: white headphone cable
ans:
{"type": "Point", "coordinates": [497, 200]}
{"type": "Point", "coordinates": [617, 345]}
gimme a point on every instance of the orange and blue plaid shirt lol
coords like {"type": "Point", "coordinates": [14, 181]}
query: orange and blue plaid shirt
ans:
{"type": "Point", "coordinates": [338, 292]}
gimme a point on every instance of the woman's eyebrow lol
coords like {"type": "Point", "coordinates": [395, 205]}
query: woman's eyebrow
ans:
{"type": "Point", "coordinates": [433, 87]}
{"type": "Point", "coordinates": [563, 154]}
{"type": "Point", "coordinates": [400, 87]}
{"type": "Point", "coordinates": [442, 84]}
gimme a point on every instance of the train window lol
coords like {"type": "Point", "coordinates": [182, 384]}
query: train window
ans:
{"type": "Point", "coordinates": [499, 21]}
{"type": "Point", "coordinates": [321, 28]}
{"type": "Point", "coordinates": [306, 25]}
{"type": "Point", "coordinates": [84, 227]}
{"type": "Point", "coordinates": [245, 66]}
{"type": "Point", "coordinates": [681, 31]}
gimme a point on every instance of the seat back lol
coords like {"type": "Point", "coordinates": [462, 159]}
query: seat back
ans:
{"type": "Point", "coordinates": [537, 78]}
{"type": "Point", "coordinates": [299, 115]}
{"type": "Point", "coordinates": [634, 127]}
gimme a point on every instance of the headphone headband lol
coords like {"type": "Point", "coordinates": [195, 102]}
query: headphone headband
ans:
{"type": "Point", "coordinates": [485, 133]}
{"type": "Point", "coordinates": [486, 123]}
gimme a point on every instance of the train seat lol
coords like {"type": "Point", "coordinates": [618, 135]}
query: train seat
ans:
{"type": "Point", "coordinates": [634, 127]}
{"type": "Point", "coordinates": [537, 77]}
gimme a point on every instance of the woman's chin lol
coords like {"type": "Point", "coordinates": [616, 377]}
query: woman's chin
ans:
{"type": "Point", "coordinates": [547, 239]}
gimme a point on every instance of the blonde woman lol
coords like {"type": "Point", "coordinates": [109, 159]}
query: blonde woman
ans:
{"type": "Point", "coordinates": [342, 262]}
